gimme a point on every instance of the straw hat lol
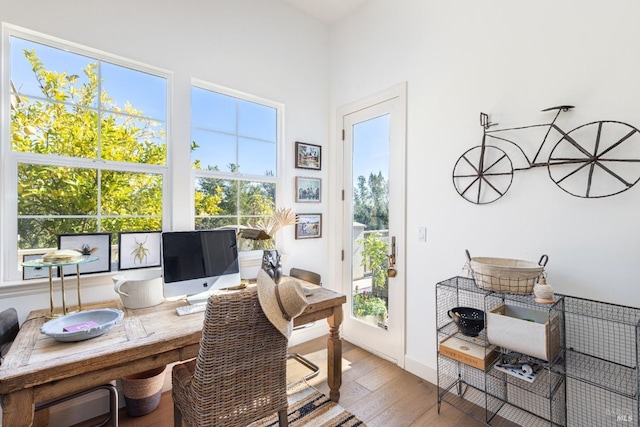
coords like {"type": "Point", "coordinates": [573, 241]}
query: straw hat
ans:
{"type": "Point", "coordinates": [280, 302]}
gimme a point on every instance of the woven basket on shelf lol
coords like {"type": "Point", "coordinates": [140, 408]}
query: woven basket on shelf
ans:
{"type": "Point", "coordinates": [505, 275]}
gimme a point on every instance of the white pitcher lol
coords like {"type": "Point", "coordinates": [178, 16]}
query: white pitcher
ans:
{"type": "Point", "coordinates": [140, 288]}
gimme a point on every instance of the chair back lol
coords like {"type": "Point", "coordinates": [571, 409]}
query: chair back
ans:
{"type": "Point", "coordinates": [306, 275]}
{"type": "Point", "coordinates": [241, 366]}
{"type": "Point", "coordinates": [9, 327]}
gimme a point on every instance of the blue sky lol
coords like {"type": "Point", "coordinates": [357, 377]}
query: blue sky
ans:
{"type": "Point", "coordinates": [371, 147]}
{"type": "Point", "coordinates": [144, 91]}
{"type": "Point", "coordinates": [218, 121]}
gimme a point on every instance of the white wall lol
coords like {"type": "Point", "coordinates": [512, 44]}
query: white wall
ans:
{"type": "Point", "coordinates": [264, 48]}
{"type": "Point", "coordinates": [508, 59]}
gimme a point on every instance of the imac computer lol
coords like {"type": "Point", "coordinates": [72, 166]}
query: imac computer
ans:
{"type": "Point", "coordinates": [194, 263]}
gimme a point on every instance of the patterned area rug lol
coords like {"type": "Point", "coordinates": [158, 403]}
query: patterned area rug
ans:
{"type": "Point", "coordinates": [308, 407]}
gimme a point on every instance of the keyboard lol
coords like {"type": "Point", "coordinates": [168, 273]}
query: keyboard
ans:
{"type": "Point", "coordinates": [183, 310]}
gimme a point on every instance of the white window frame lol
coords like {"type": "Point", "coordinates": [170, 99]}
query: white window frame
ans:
{"type": "Point", "coordinates": [9, 271]}
{"type": "Point", "coordinates": [277, 180]}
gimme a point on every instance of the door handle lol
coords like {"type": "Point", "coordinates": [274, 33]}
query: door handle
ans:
{"type": "Point", "coordinates": [391, 271]}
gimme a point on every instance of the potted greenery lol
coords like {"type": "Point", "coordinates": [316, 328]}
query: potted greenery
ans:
{"type": "Point", "coordinates": [374, 253]}
{"type": "Point", "coordinates": [365, 304]}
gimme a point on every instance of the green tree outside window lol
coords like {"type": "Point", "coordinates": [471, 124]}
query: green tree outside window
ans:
{"type": "Point", "coordinates": [72, 118]}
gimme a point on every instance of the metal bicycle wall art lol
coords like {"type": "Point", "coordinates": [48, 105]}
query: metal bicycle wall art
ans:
{"type": "Point", "coordinates": [593, 160]}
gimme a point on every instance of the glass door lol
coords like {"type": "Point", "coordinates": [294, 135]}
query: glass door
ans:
{"type": "Point", "coordinates": [373, 159]}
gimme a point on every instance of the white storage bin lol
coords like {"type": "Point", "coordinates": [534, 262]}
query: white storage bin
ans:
{"type": "Point", "coordinates": [524, 330]}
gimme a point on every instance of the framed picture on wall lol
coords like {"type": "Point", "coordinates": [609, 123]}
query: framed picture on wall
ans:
{"type": "Point", "coordinates": [308, 156]}
{"type": "Point", "coordinates": [96, 245]}
{"type": "Point", "coordinates": [36, 272]}
{"type": "Point", "coordinates": [138, 250]}
{"type": "Point", "coordinates": [309, 226]}
{"type": "Point", "coordinates": [308, 190]}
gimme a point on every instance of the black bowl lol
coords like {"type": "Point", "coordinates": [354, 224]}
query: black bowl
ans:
{"type": "Point", "coordinates": [470, 321]}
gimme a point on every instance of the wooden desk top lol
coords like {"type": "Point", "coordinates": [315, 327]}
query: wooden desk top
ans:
{"type": "Point", "coordinates": [155, 334]}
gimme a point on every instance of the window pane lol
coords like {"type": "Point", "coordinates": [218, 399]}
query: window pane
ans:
{"type": "Point", "coordinates": [47, 72]}
{"type": "Point", "coordinates": [133, 140]}
{"type": "Point", "coordinates": [215, 197]}
{"type": "Point", "coordinates": [133, 92]}
{"type": "Point", "coordinates": [129, 193]}
{"type": "Point", "coordinates": [49, 128]}
{"type": "Point", "coordinates": [67, 107]}
{"type": "Point", "coordinates": [218, 197]}
{"type": "Point", "coordinates": [67, 124]}
{"type": "Point", "coordinates": [257, 198]}
{"type": "Point", "coordinates": [212, 110]}
{"type": "Point", "coordinates": [43, 232]}
{"type": "Point", "coordinates": [215, 151]}
{"type": "Point", "coordinates": [117, 225]}
{"type": "Point", "coordinates": [257, 157]}
{"type": "Point", "coordinates": [55, 190]}
{"type": "Point", "coordinates": [256, 121]}
{"type": "Point", "coordinates": [234, 135]}
{"type": "Point", "coordinates": [210, 223]}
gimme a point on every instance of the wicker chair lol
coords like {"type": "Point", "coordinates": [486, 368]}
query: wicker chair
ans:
{"type": "Point", "coordinates": [239, 375]}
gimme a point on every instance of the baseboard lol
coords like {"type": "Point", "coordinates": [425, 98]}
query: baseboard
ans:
{"type": "Point", "coordinates": [418, 368]}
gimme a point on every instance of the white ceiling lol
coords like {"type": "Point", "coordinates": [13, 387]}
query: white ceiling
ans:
{"type": "Point", "coordinates": [328, 11]}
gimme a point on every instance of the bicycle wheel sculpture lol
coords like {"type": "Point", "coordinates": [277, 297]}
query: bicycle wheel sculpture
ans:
{"type": "Point", "coordinates": [483, 174]}
{"type": "Point", "coordinates": [598, 159]}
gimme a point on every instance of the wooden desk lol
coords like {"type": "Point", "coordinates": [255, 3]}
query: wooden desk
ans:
{"type": "Point", "coordinates": [38, 368]}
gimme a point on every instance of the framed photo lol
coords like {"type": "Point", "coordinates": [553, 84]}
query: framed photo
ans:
{"type": "Point", "coordinates": [309, 226]}
{"type": "Point", "coordinates": [308, 156]}
{"type": "Point", "coordinates": [95, 245]}
{"type": "Point", "coordinates": [138, 250]}
{"type": "Point", "coordinates": [308, 190]}
{"type": "Point", "coordinates": [36, 272]}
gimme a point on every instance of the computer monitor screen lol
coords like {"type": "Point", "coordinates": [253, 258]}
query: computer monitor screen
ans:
{"type": "Point", "coordinates": [199, 261]}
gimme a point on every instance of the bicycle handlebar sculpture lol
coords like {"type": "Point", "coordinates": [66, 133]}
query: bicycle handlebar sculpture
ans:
{"type": "Point", "coordinates": [597, 159]}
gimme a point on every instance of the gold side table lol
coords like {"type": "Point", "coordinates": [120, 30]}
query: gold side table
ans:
{"type": "Point", "coordinates": [39, 263]}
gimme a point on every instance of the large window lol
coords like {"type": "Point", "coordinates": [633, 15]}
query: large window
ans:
{"type": "Point", "coordinates": [234, 146]}
{"type": "Point", "coordinates": [87, 147]}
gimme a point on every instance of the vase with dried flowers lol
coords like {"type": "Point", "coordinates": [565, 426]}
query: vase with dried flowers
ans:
{"type": "Point", "coordinates": [265, 229]}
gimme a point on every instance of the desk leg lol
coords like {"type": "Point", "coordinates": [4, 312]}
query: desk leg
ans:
{"type": "Point", "coordinates": [17, 408]}
{"type": "Point", "coordinates": [334, 354]}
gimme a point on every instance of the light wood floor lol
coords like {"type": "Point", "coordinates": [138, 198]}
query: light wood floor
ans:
{"type": "Point", "coordinates": [375, 390]}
